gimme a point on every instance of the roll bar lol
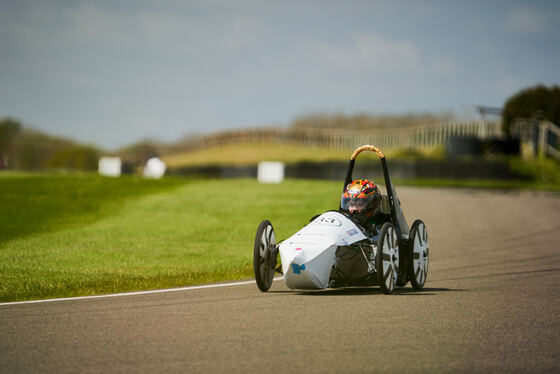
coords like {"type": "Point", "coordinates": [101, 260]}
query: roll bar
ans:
{"type": "Point", "coordinates": [367, 148]}
{"type": "Point", "coordinates": [355, 154]}
{"type": "Point", "coordinates": [396, 211]}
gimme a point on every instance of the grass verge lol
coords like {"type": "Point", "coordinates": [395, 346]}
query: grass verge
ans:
{"type": "Point", "coordinates": [129, 234]}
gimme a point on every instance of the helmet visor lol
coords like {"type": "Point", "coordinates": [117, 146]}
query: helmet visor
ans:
{"type": "Point", "coordinates": [358, 203]}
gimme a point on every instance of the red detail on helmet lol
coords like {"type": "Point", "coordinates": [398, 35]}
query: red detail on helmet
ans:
{"type": "Point", "coordinates": [360, 189]}
{"type": "Point", "coordinates": [359, 196]}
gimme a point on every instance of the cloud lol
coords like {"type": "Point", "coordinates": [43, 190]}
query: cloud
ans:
{"type": "Point", "coordinates": [372, 52]}
{"type": "Point", "coordinates": [98, 25]}
{"type": "Point", "coordinates": [445, 66]}
{"type": "Point", "coordinates": [528, 21]}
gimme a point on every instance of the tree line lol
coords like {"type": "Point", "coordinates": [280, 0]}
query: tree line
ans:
{"type": "Point", "coordinates": [23, 148]}
{"type": "Point", "coordinates": [27, 149]}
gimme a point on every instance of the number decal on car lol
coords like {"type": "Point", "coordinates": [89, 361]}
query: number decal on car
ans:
{"type": "Point", "coordinates": [330, 221]}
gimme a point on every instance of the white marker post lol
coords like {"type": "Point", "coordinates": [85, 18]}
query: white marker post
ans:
{"type": "Point", "coordinates": [155, 168]}
{"type": "Point", "coordinates": [270, 172]}
{"type": "Point", "coordinates": [110, 166]}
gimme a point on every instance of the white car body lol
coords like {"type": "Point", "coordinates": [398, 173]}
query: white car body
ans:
{"type": "Point", "coordinates": [308, 256]}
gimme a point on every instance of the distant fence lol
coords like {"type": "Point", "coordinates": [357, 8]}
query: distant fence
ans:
{"type": "Point", "coordinates": [543, 136]}
{"type": "Point", "coordinates": [405, 137]}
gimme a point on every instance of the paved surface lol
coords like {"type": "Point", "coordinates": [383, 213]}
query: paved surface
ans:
{"type": "Point", "coordinates": [491, 304]}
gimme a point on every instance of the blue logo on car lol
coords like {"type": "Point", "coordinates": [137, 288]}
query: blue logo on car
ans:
{"type": "Point", "coordinates": [298, 268]}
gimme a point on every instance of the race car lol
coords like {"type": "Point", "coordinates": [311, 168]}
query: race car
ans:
{"type": "Point", "coordinates": [336, 249]}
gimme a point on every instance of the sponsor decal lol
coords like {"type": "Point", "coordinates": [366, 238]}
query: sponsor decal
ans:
{"type": "Point", "coordinates": [352, 232]}
{"type": "Point", "coordinates": [299, 249]}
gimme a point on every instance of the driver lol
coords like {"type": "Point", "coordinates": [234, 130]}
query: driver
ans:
{"type": "Point", "coordinates": [362, 200]}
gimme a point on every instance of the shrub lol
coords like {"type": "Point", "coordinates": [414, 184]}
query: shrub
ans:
{"type": "Point", "coordinates": [79, 157]}
{"type": "Point", "coordinates": [9, 127]}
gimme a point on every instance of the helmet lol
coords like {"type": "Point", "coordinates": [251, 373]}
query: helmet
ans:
{"type": "Point", "coordinates": [361, 198]}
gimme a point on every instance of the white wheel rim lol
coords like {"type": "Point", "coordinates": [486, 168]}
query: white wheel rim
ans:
{"type": "Point", "coordinates": [421, 254]}
{"type": "Point", "coordinates": [390, 259]}
{"type": "Point", "coordinates": [268, 241]}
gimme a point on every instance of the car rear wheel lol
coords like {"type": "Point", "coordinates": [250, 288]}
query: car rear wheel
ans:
{"type": "Point", "coordinates": [419, 250]}
{"type": "Point", "coordinates": [387, 258]}
{"type": "Point", "coordinates": [264, 255]}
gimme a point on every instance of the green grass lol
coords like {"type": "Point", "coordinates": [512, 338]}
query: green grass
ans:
{"type": "Point", "coordinates": [542, 170]}
{"type": "Point", "coordinates": [34, 203]}
{"type": "Point", "coordinates": [68, 236]}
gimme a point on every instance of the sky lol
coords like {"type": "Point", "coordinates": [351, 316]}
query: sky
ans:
{"type": "Point", "coordinates": [111, 73]}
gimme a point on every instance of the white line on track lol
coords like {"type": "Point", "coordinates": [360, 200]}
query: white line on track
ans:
{"type": "Point", "coordinates": [190, 288]}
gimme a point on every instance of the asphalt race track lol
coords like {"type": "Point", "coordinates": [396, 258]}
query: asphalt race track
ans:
{"type": "Point", "coordinates": [491, 304]}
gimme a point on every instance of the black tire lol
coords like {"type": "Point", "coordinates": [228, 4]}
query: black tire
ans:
{"type": "Point", "coordinates": [263, 252]}
{"type": "Point", "coordinates": [387, 258]}
{"type": "Point", "coordinates": [419, 255]}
